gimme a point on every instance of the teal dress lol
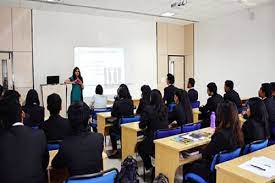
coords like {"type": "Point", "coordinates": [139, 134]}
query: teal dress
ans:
{"type": "Point", "coordinates": [76, 93]}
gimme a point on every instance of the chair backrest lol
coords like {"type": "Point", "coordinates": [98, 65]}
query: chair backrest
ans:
{"type": "Point", "coordinates": [94, 112]}
{"type": "Point", "coordinates": [108, 176]}
{"type": "Point", "coordinates": [195, 104]}
{"type": "Point", "coordinates": [255, 146]}
{"type": "Point", "coordinates": [171, 107]}
{"type": "Point", "coordinates": [167, 132]}
{"type": "Point", "coordinates": [190, 127]}
{"type": "Point", "coordinates": [129, 120]}
{"type": "Point", "coordinates": [54, 145]}
{"type": "Point", "coordinates": [224, 156]}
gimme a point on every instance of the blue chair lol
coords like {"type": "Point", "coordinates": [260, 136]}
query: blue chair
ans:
{"type": "Point", "coordinates": [190, 127]}
{"type": "Point", "coordinates": [255, 146]}
{"type": "Point", "coordinates": [171, 107]}
{"type": "Point", "coordinates": [54, 145]}
{"type": "Point", "coordinates": [167, 132]}
{"type": "Point", "coordinates": [108, 176]}
{"type": "Point", "coordinates": [129, 120]}
{"type": "Point", "coordinates": [35, 127]}
{"type": "Point", "coordinates": [94, 113]}
{"type": "Point", "coordinates": [195, 104]}
{"type": "Point", "coordinates": [218, 158]}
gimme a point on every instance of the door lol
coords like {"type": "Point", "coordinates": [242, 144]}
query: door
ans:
{"type": "Point", "coordinates": [6, 70]}
{"type": "Point", "coordinates": [176, 67]}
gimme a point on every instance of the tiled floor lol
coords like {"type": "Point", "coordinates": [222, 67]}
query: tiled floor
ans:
{"type": "Point", "coordinates": [116, 163]}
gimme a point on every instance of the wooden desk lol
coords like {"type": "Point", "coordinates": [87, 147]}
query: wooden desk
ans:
{"type": "Point", "coordinates": [196, 114]}
{"type": "Point", "coordinates": [136, 102]}
{"type": "Point", "coordinates": [167, 154]}
{"type": "Point", "coordinates": [229, 172]}
{"type": "Point", "coordinates": [102, 126]}
{"type": "Point", "coordinates": [129, 138]}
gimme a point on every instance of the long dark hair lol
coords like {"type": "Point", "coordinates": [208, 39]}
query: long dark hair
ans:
{"type": "Point", "coordinates": [74, 76]}
{"type": "Point", "coordinates": [227, 117]}
{"type": "Point", "coordinates": [258, 113]}
{"type": "Point", "coordinates": [185, 102]}
{"type": "Point", "coordinates": [157, 102]}
{"type": "Point", "coordinates": [32, 98]}
{"type": "Point", "coordinates": [127, 90]}
{"type": "Point", "coordinates": [146, 92]}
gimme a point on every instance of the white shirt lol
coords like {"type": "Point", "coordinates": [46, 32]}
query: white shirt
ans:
{"type": "Point", "coordinates": [18, 124]}
{"type": "Point", "coordinates": [99, 101]}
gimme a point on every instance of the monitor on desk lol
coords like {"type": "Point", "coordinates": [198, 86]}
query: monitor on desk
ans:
{"type": "Point", "coordinates": [51, 80]}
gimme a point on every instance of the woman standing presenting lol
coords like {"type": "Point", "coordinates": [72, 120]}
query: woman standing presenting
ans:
{"type": "Point", "coordinates": [77, 86]}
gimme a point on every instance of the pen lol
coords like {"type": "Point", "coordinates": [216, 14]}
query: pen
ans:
{"type": "Point", "coordinates": [258, 167]}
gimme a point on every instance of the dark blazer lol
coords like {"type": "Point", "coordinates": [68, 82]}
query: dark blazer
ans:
{"type": "Point", "coordinates": [24, 155]}
{"type": "Point", "coordinates": [56, 128]}
{"type": "Point", "coordinates": [254, 130]}
{"type": "Point", "coordinates": [169, 92]}
{"type": "Point", "coordinates": [193, 95]}
{"type": "Point", "coordinates": [212, 103]}
{"type": "Point", "coordinates": [233, 96]}
{"type": "Point", "coordinates": [142, 104]}
{"type": "Point", "coordinates": [81, 153]}
{"type": "Point", "coordinates": [270, 106]}
{"type": "Point", "coordinates": [178, 115]}
{"type": "Point", "coordinates": [123, 108]}
{"type": "Point", "coordinates": [151, 122]}
{"type": "Point", "coordinates": [35, 115]}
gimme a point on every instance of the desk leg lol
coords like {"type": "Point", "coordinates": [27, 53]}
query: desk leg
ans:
{"type": "Point", "coordinates": [166, 162]}
{"type": "Point", "coordinates": [129, 141]}
{"type": "Point", "coordinates": [101, 125]}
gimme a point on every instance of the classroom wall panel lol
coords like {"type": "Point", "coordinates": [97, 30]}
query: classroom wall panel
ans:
{"type": "Point", "coordinates": [175, 39]}
{"type": "Point", "coordinates": [5, 29]}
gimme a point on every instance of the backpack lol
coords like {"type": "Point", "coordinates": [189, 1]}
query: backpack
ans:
{"type": "Point", "coordinates": [128, 172]}
{"type": "Point", "coordinates": [161, 179]}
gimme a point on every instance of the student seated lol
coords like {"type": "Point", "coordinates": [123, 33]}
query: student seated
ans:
{"type": "Point", "coordinates": [81, 152]}
{"type": "Point", "coordinates": [153, 118]}
{"type": "Point", "coordinates": [256, 127]}
{"type": "Point", "coordinates": [265, 93]}
{"type": "Point", "coordinates": [99, 100]}
{"type": "Point", "coordinates": [169, 90]}
{"type": "Point", "coordinates": [56, 127]}
{"type": "Point", "coordinates": [182, 113]}
{"type": "Point", "coordinates": [128, 95]}
{"type": "Point", "coordinates": [24, 154]}
{"type": "Point", "coordinates": [227, 136]}
{"type": "Point", "coordinates": [211, 105]}
{"type": "Point", "coordinates": [34, 112]}
{"type": "Point", "coordinates": [145, 98]}
{"type": "Point", "coordinates": [231, 94]}
{"type": "Point", "coordinates": [192, 93]}
{"type": "Point", "coordinates": [122, 107]}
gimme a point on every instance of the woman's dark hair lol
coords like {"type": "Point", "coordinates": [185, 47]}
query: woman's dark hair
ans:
{"type": "Point", "coordinates": [258, 112]}
{"type": "Point", "coordinates": [227, 117]}
{"type": "Point", "coordinates": [74, 76]}
{"type": "Point", "coordinates": [185, 102]}
{"type": "Point", "coordinates": [128, 95]}
{"type": "Point", "coordinates": [157, 102]}
{"type": "Point", "coordinates": [15, 95]}
{"type": "Point", "coordinates": [170, 78]}
{"type": "Point", "coordinates": [267, 89]}
{"type": "Point", "coordinates": [10, 110]}
{"type": "Point", "coordinates": [1, 90]}
{"type": "Point", "coordinates": [146, 92]}
{"type": "Point", "coordinates": [78, 115]}
{"type": "Point", "coordinates": [212, 87]}
{"type": "Point", "coordinates": [54, 103]}
{"type": "Point", "coordinates": [191, 81]}
{"type": "Point", "coordinates": [32, 98]}
{"type": "Point", "coordinates": [122, 93]}
{"type": "Point", "coordinates": [99, 90]}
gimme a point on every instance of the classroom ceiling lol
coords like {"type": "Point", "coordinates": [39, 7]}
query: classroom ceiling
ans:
{"type": "Point", "coordinates": [194, 10]}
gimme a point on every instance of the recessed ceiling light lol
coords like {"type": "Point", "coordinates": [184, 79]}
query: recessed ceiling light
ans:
{"type": "Point", "coordinates": [168, 14]}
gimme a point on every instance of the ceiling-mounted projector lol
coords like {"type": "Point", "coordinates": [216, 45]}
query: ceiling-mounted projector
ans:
{"type": "Point", "coordinates": [179, 3]}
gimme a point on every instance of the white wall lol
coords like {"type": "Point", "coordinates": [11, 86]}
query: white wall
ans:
{"type": "Point", "coordinates": [56, 34]}
{"type": "Point", "coordinates": [237, 48]}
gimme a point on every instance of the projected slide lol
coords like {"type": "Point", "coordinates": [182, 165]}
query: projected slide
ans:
{"type": "Point", "coordinates": [103, 66]}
